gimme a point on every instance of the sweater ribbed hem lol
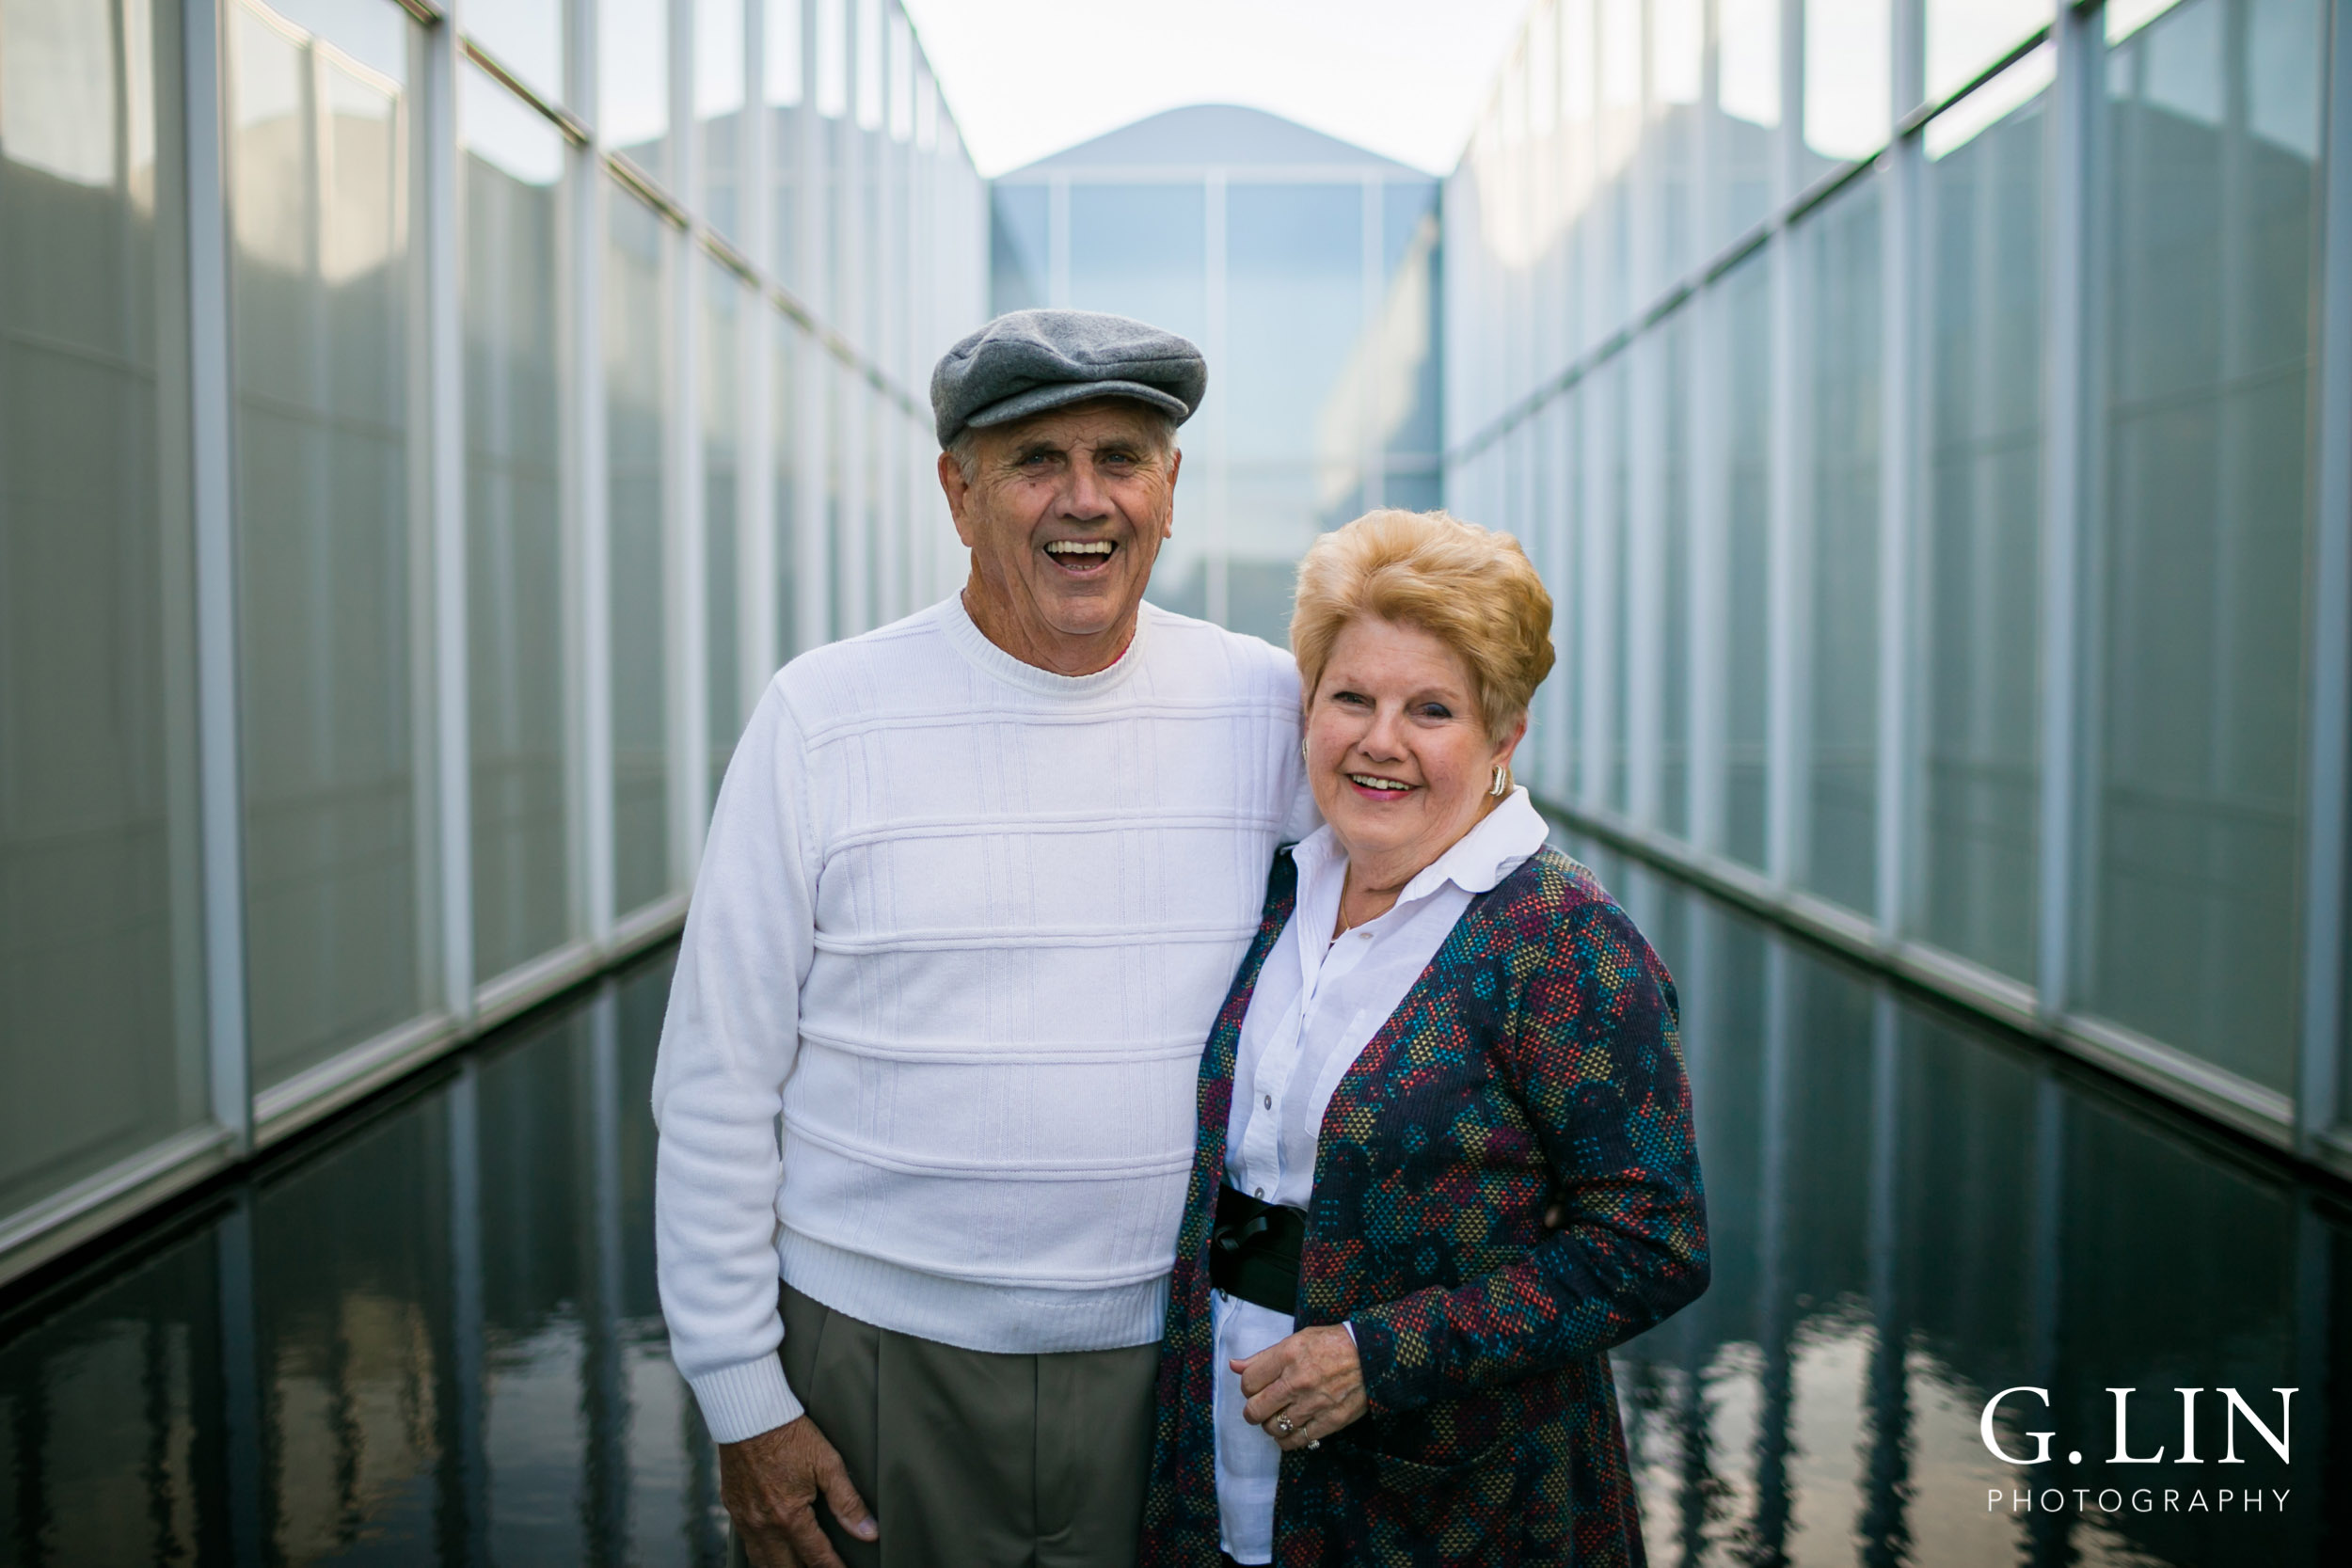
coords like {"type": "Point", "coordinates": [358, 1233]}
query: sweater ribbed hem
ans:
{"type": "Point", "coordinates": [745, 1399]}
{"type": "Point", "coordinates": [998, 1319]}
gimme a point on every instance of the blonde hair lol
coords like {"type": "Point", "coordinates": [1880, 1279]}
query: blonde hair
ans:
{"type": "Point", "coordinates": [1471, 588]}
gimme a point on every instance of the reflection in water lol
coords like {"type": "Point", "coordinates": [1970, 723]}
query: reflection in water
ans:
{"type": "Point", "coordinates": [433, 1336]}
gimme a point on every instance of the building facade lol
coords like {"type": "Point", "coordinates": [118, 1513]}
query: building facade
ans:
{"type": "Point", "coordinates": [423, 428]}
{"type": "Point", "coordinates": [1306, 269]}
{"type": "Point", "coordinates": [1931, 415]}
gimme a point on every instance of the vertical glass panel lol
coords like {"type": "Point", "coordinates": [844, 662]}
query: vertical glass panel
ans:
{"type": "Point", "coordinates": [328, 543]}
{"type": "Point", "coordinates": [2212, 121]}
{"type": "Point", "coordinates": [527, 37]}
{"type": "Point", "coordinates": [1616, 146]}
{"type": "Point", "coordinates": [1677, 58]}
{"type": "Point", "coordinates": [719, 75]}
{"type": "Point", "coordinates": [1404, 360]}
{"type": "Point", "coordinates": [784, 449]}
{"type": "Point", "coordinates": [1967, 36]}
{"type": "Point", "coordinates": [1838, 251]}
{"type": "Point", "coordinates": [1294, 309]}
{"type": "Point", "coordinates": [722, 314]}
{"type": "Point", "coordinates": [1675, 574]}
{"type": "Point", "coordinates": [633, 80]}
{"type": "Point", "coordinates": [782, 90]}
{"type": "Point", "coordinates": [1847, 92]}
{"type": "Point", "coordinates": [1017, 257]}
{"type": "Point", "coordinates": [1747, 94]}
{"type": "Point", "coordinates": [637, 376]}
{"type": "Point", "coordinates": [1615, 387]}
{"type": "Point", "coordinates": [1746, 430]}
{"type": "Point", "coordinates": [518, 691]}
{"type": "Point", "coordinates": [1979, 776]}
{"type": "Point", "coordinates": [1562, 441]}
{"type": "Point", "coordinates": [101, 1003]}
{"type": "Point", "coordinates": [1140, 250]}
{"type": "Point", "coordinates": [833, 57]}
{"type": "Point", "coordinates": [1575, 173]}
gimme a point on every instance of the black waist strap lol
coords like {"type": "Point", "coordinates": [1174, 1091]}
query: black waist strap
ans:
{"type": "Point", "coordinates": [1253, 1251]}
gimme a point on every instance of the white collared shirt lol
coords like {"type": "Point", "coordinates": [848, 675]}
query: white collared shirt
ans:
{"type": "Point", "coordinates": [1317, 1004]}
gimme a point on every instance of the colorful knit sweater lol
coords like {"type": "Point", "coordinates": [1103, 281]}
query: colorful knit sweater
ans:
{"type": "Point", "coordinates": [1538, 1053]}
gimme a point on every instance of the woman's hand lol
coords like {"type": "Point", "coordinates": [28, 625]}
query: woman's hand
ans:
{"type": "Point", "coordinates": [1304, 1388]}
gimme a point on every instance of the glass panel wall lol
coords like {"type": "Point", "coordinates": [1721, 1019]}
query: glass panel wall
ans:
{"type": "Point", "coordinates": [1978, 738]}
{"type": "Point", "coordinates": [1840, 266]}
{"type": "Point", "coordinates": [1955, 433]}
{"type": "Point", "coordinates": [638, 251]}
{"type": "Point", "coordinates": [394, 551]}
{"type": "Point", "coordinates": [100, 990]}
{"type": "Point", "coordinates": [326, 356]}
{"type": "Point", "coordinates": [519, 689]}
{"type": "Point", "coordinates": [2213, 128]}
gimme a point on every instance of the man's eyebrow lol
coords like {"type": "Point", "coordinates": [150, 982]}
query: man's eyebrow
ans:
{"type": "Point", "coordinates": [1027, 449]}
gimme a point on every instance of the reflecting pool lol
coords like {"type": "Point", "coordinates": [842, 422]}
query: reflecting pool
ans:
{"type": "Point", "coordinates": [431, 1334]}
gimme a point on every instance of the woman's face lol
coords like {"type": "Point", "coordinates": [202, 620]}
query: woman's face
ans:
{"type": "Point", "coordinates": [1399, 760]}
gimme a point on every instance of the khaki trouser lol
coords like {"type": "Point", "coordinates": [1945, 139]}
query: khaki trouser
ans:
{"type": "Point", "coordinates": [973, 1460]}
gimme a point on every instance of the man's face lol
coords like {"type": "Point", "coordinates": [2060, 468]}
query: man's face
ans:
{"type": "Point", "coordinates": [1064, 513]}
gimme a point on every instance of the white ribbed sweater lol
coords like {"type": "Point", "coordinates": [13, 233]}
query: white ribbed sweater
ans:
{"type": "Point", "coordinates": [964, 924]}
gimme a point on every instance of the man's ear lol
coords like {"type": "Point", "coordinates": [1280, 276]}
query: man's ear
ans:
{"type": "Point", "coordinates": [959, 492]}
{"type": "Point", "coordinates": [1175, 467]}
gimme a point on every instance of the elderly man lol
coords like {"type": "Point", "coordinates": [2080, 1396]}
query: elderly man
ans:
{"type": "Point", "coordinates": [976, 885]}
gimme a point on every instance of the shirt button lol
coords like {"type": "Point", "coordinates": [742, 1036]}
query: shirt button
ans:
{"type": "Point", "coordinates": [1257, 1191]}
{"type": "Point", "coordinates": [1269, 1102]}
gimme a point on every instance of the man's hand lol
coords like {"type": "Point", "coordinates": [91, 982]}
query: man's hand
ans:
{"type": "Point", "coordinates": [1304, 1388]}
{"type": "Point", "coordinates": [770, 1485]}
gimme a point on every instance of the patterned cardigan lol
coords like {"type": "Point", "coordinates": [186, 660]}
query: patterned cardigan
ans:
{"type": "Point", "coordinates": [1536, 1053]}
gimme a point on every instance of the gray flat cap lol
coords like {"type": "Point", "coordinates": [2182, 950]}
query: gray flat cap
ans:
{"type": "Point", "coordinates": [1026, 361]}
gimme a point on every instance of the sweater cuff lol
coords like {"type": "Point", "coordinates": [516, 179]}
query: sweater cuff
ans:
{"type": "Point", "coordinates": [746, 1399]}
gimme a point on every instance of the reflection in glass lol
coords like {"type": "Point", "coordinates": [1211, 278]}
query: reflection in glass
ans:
{"type": "Point", "coordinates": [1980, 771]}
{"type": "Point", "coordinates": [1139, 251]}
{"type": "Point", "coordinates": [1846, 89]}
{"type": "Point", "coordinates": [1967, 36]}
{"type": "Point", "coordinates": [1745, 430]}
{"type": "Point", "coordinates": [637, 376]}
{"type": "Point", "coordinates": [323, 354]}
{"type": "Point", "coordinates": [517, 693]}
{"type": "Point", "coordinates": [633, 80]}
{"type": "Point", "coordinates": [722, 316]}
{"type": "Point", "coordinates": [1019, 264]}
{"type": "Point", "coordinates": [1905, 1216]}
{"type": "Point", "coordinates": [2210, 232]}
{"type": "Point", "coordinates": [1840, 246]}
{"type": "Point", "coordinates": [527, 37]}
{"type": "Point", "coordinates": [100, 1000]}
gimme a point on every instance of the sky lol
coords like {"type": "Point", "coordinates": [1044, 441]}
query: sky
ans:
{"type": "Point", "coordinates": [1404, 78]}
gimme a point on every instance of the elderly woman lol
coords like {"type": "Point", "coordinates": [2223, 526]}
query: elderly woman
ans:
{"type": "Point", "coordinates": [1377, 1352]}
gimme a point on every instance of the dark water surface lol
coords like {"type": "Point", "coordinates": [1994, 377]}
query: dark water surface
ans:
{"type": "Point", "coordinates": [433, 1336]}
